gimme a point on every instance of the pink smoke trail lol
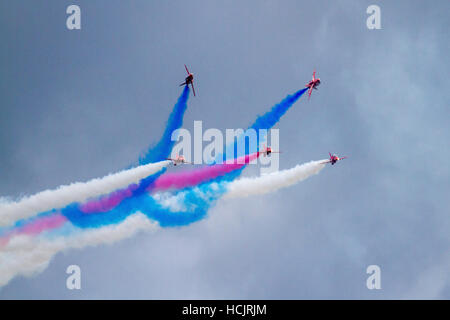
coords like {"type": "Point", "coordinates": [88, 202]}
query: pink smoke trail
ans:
{"type": "Point", "coordinates": [166, 181]}
{"type": "Point", "coordinates": [108, 202]}
{"type": "Point", "coordinates": [35, 227]}
{"type": "Point", "coordinates": [180, 180]}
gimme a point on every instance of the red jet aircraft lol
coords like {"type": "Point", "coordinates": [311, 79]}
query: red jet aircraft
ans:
{"type": "Point", "coordinates": [313, 84]}
{"type": "Point", "coordinates": [189, 80]}
{"type": "Point", "coordinates": [267, 151]}
{"type": "Point", "coordinates": [178, 160]}
{"type": "Point", "coordinates": [333, 159]}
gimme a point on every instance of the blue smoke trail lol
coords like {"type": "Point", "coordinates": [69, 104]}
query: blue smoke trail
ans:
{"type": "Point", "coordinates": [196, 209]}
{"type": "Point", "coordinates": [155, 153]}
{"type": "Point", "coordinates": [113, 216]}
{"type": "Point", "coordinates": [204, 196]}
{"type": "Point", "coordinates": [197, 200]}
{"type": "Point", "coordinates": [270, 118]}
{"type": "Point", "coordinates": [163, 148]}
{"type": "Point", "coordinates": [266, 121]}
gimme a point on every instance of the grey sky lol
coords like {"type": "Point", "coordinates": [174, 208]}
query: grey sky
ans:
{"type": "Point", "coordinates": [80, 104]}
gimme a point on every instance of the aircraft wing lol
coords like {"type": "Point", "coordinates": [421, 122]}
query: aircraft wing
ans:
{"type": "Point", "coordinates": [193, 90]}
{"type": "Point", "coordinates": [186, 69]}
{"type": "Point", "coordinates": [309, 92]}
{"type": "Point", "coordinates": [314, 75]}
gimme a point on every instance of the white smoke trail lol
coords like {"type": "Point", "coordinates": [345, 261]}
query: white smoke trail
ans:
{"type": "Point", "coordinates": [273, 181]}
{"type": "Point", "coordinates": [243, 187]}
{"type": "Point", "coordinates": [12, 211]}
{"type": "Point", "coordinates": [28, 255]}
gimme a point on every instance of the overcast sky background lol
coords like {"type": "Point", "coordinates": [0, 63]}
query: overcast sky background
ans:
{"type": "Point", "coordinates": [76, 105]}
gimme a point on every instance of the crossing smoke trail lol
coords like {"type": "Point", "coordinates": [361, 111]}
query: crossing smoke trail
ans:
{"type": "Point", "coordinates": [178, 180]}
{"type": "Point", "coordinates": [158, 152]}
{"type": "Point", "coordinates": [48, 200]}
{"type": "Point", "coordinates": [113, 209]}
{"type": "Point", "coordinates": [163, 148]}
{"type": "Point", "coordinates": [115, 212]}
{"type": "Point", "coordinates": [24, 254]}
{"type": "Point", "coordinates": [11, 212]}
{"type": "Point", "coordinates": [145, 203]}
{"type": "Point", "coordinates": [203, 196]}
{"type": "Point", "coordinates": [266, 121]}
